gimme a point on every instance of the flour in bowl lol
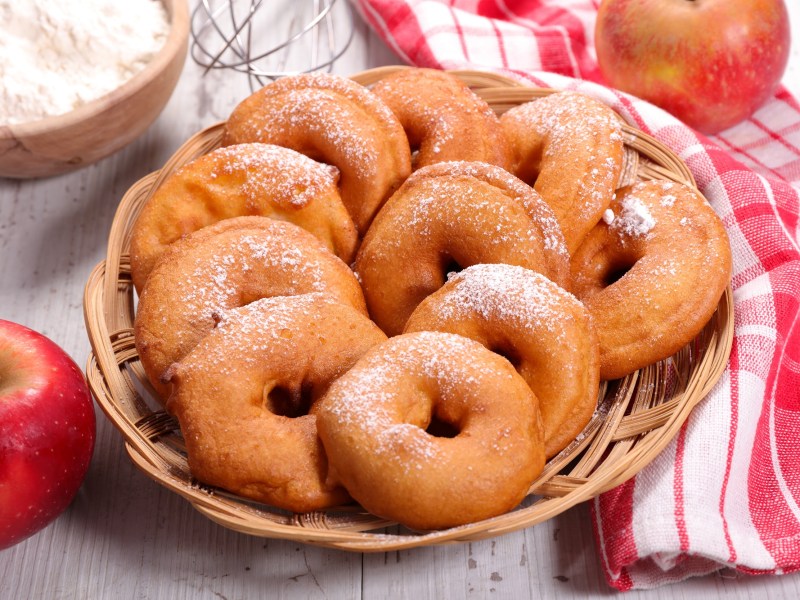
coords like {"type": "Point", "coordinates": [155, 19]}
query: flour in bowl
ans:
{"type": "Point", "coordinates": [56, 55]}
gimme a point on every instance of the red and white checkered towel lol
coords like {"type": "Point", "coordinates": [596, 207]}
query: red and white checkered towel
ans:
{"type": "Point", "coordinates": [726, 491]}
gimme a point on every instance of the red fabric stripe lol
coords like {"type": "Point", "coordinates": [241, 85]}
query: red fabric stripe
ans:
{"type": "Point", "coordinates": [617, 508]}
{"type": "Point", "coordinates": [400, 28]}
{"type": "Point", "coordinates": [772, 515]}
{"type": "Point", "coordinates": [680, 517]}
{"type": "Point", "coordinates": [733, 371]}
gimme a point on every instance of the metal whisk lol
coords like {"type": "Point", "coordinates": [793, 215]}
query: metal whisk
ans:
{"type": "Point", "coordinates": [267, 39]}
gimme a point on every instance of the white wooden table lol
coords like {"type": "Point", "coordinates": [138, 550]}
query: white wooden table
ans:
{"type": "Point", "coordinates": [126, 537]}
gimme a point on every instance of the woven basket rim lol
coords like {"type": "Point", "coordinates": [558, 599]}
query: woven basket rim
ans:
{"type": "Point", "coordinates": [632, 425]}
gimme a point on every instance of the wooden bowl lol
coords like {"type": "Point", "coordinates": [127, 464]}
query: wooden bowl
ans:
{"type": "Point", "coordinates": [67, 142]}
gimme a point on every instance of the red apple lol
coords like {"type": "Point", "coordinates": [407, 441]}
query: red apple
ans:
{"type": "Point", "coordinates": [711, 63]}
{"type": "Point", "coordinates": [47, 431]}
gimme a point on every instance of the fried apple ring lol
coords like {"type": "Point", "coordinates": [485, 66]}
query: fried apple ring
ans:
{"type": "Point", "coordinates": [223, 266]}
{"type": "Point", "coordinates": [447, 216]}
{"type": "Point", "coordinates": [432, 430]}
{"type": "Point", "coordinates": [243, 396]}
{"type": "Point", "coordinates": [652, 276]}
{"type": "Point", "coordinates": [543, 330]}
{"type": "Point", "coordinates": [242, 180]}
{"type": "Point", "coordinates": [336, 121]}
{"type": "Point", "coordinates": [443, 118]}
{"type": "Point", "coordinates": [569, 147]}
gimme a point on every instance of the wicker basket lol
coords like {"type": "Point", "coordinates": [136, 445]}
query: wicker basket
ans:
{"type": "Point", "coordinates": [636, 418]}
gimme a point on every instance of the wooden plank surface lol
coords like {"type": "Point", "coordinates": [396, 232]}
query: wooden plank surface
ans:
{"type": "Point", "coordinates": [127, 537]}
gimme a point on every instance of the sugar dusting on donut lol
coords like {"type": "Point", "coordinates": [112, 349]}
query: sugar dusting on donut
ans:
{"type": "Point", "coordinates": [442, 192]}
{"type": "Point", "coordinates": [349, 88]}
{"type": "Point", "coordinates": [372, 393]}
{"type": "Point", "coordinates": [634, 218]}
{"type": "Point", "coordinates": [507, 292]}
{"type": "Point", "coordinates": [438, 196]}
{"type": "Point", "coordinates": [678, 263]}
{"type": "Point", "coordinates": [569, 146]}
{"type": "Point", "coordinates": [276, 171]}
{"type": "Point", "coordinates": [303, 109]}
{"type": "Point", "coordinates": [443, 117]}
{"type": "Point", "coordinates": [242, 256]}
{"type": "Point", "coordinates": [569, 122]}
{"type": "Point", "coordinates": [269, 318]}
{"type": "Point", "coordinates": [517, 190]}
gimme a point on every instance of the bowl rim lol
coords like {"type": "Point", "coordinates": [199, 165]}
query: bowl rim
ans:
{"type": "Point", "coordinates": [177, 39]}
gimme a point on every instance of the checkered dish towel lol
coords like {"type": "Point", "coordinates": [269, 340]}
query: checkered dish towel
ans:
{"type": "Point", "coordinates": [726, 491]}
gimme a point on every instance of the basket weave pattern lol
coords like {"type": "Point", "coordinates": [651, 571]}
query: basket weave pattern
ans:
{"type": "Point", "coordinates": [636, 416]}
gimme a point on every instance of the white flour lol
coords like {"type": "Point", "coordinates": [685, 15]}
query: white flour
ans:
{"type": "Point", "coordinates": [56, 55]}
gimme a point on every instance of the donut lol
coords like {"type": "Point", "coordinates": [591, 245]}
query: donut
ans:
{"type": "Point", "coordinates": [447, 216]}
{"type": "Point", "coordinates": [336, 121]}
{"type": "Point", "coordinates": [443, 118]}
{"type": "Point", "coordinates": [569, 147]}
{"type": "Point", "coordinates": [245, 395]}
{"type": "Point", "coordinates": [651, 273]}
{"type": "Point", "coordinates": [241, 180]}
{"type": "Point", "coordinates": [432, 430]}
{"type": "Point", "coordinates": [223, 266]}
{"type": "Point", "coordinates": [543, 330]}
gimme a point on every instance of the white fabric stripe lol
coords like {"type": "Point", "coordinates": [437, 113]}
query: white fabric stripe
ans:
{"type": "Point", "coordinates": [717, 196]}
{"type": "Point", "coordinates": [601, 538]}
{"type": "Point", "coordinates": [745, 539]}
{"type": "Point", "coordinates": [765, 331]}
{"type": "Point", "coordinates": [653, 525]}
{"type": "Point", "coordinates": [760, 286]}
{"type": "Point", "coordinates": [690, 151]}
{"type": "Point", "coordinates": [706, 457]}
{"type": "Point", "coordinates": [744, 257]}
{"type": "Point", "coordinates": [444, 43]}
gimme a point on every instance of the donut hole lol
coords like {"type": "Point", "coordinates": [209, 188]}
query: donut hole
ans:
{"type": "Point", "coordinates": [616, 271]}
{"type": "Point", "coordinates": [509, 352]}
{"type": "Point", "coordinates": [614, 275]}
{"type": "Point", "coordinates": [440, 428]}
{"type": "Point", "coordinates": [286, 401]}
{"type": "Point", "coordinates": [450, 265]}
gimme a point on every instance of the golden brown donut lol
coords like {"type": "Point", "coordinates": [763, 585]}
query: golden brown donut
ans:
{"type": "Point", "coordinates": [223, 266]}
{"type": "Point", "coordinates": [452, 215]}
{"type": "Point", "coordinates": [243, 396]}
{"type": "Point", "coordinates": [651, 273]}
{"type": "Point", "coordinates": [443, 118]}
{"type": "Point", "coordinates": [569, 147]}
{"type": "Point", "coordinates": [432, 430]}
{"type": "Point", "coordinates": [336, 121]}
{"type": "Point", "coordinates": [544, 331]}
{"type": "Point", "coordinates": [241, 180]}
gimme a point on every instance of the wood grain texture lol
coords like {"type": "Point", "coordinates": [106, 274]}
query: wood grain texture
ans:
{"type": "Point", "coordinates": [126, 537]}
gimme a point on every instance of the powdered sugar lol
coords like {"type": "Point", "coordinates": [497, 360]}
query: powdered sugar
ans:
{"type": "Point", "coordinates": [286, 176]}
{"type": "Point", "coordinates": [527, 301]}
{"type": "Point", "coordinates": [377, 396]}
{"type": "Point", "coordinates": [635, 218]}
